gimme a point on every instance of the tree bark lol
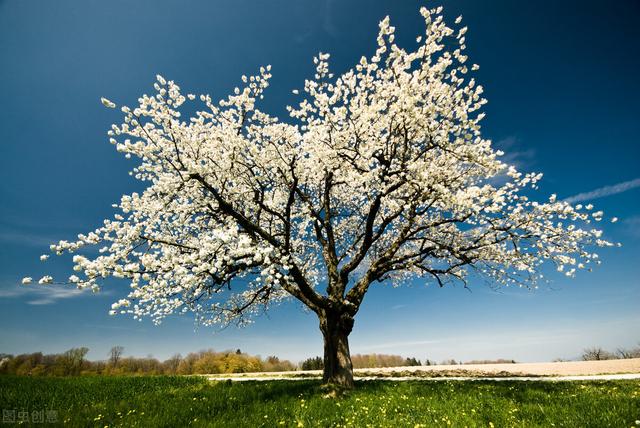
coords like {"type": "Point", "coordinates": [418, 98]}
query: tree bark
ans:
{"type": "Point", "coordinates": [335, 328]}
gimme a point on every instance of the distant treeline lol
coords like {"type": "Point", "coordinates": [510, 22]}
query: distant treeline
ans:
{"type": "Point", "coordinates": [597, 353]}
{"type": "Point", "coordinates": [382, 360]}
{"type": "Point", "coordinates": [498, 361]}
{"type": "Point", "coordinates": [365, 361]}
{"type": "Point", "coordinates": [73, 362]}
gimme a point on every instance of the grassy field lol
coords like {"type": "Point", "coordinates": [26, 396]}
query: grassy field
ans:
{"type": "Point", "coordinates": [183, 401]}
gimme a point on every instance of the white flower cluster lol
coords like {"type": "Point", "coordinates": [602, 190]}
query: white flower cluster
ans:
{"type": "Point", "coordinates": [105, 102]}
{"type": "Point", "coordinates": [382, 174]}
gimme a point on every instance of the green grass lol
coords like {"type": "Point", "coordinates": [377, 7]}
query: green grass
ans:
{"type": "Point", "coordinates": [183, 401]}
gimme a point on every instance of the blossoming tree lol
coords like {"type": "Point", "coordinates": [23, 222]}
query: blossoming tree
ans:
{"type": "Point", "coordinates": [380, 175]}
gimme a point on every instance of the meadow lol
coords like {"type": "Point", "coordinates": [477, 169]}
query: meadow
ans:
{"type": "Point", "coordinates": [170, 401]}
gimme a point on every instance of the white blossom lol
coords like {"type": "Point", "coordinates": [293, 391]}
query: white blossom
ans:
{"type": "Point", "coordinates": [381, 174]}
{"type": "Point", "coordinates": [47, 279]}
{"type": "Point", "coordinates": [105, 102]}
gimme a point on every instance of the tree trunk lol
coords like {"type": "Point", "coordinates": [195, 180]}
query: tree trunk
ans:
{"type": "Point", "coordinates": [338, 369]}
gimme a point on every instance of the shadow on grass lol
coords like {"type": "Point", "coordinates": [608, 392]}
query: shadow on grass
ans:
{"type": "Point", "coordinates": [269, 391]}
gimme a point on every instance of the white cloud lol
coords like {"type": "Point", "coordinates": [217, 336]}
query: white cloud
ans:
{"type": "Point", "coordinates": [396, 307]}
{"type": "Point", "coordinates": [604, 191]}
{"type": "Point", "coordinates": [514, 153]}
{"type": "Point", "coordinates": [40, 295]}
{"type": "Point", "coordinates": [633, 226]}
{"type": "Point", "coordinates": [26, 239]}
{"type": "Point", "coordinates": [327, 24]}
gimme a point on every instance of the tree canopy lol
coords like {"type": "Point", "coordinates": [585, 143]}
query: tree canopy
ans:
{"type": "Point", "coordinates": [380, 174]}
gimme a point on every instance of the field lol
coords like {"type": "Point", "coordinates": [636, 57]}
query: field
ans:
{"type": "Point", "coordinates": [195, 401]}
{"type": "Point", "coordinates": [564, 368]}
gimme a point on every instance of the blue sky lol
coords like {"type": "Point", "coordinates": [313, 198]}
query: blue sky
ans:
{"type": "Point", "coordinates": [561, 80]}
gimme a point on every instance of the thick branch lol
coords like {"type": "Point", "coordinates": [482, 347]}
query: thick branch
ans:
{"type": "Point", "coordinates": [304, 292]}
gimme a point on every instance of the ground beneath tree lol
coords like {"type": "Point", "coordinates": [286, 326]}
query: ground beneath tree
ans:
{"type": "Point", "coordinates": [566, 370]}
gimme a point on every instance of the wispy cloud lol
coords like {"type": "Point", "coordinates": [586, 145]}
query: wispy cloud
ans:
{"type": "Point", "coordinates": [301, 37]}
{"type": "Point", "coordinates": [27, 239]}
{"type": "Point", "coordinates": [633, 226]}
{"type": "Point", "coordinates": [327, 24]}
{"type": "Point", "coordinates": [514, 153]}
{"type": "Point", "coordinates": [39, 294]}
{"type": "Point", "coordinates": [604, 191]}
{"type": "Point", "coordinates": [396, 307]}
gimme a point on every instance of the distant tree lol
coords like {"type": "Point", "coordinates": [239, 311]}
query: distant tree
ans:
{"type": "Point", "coordinates": [628, 353]}
{"type": "Point", "coordinates": [275, 364]}
{"type": "Point", "coordinates": [209, 363]}
{"type": "Point", "coordinates": [25, 364]}
{"type": "Point", "coordinates": [187, 363]}
{"type": "Point", "coordinates": [412, 362]}
{"type": "Point", "coordinates": [381, 175]}
{"type": "Point", "coordinates": [315, 363]}
{"type": "Point", "coordinates": [596, 354]}
{"type": "Point", "coordinates": [377, 360]}
{"type": "Point", "coordinates": [171, 365]}
{"type": "Point", "coordinates": [115, 354]}
{"type": "Point", "coordinates": [71, 361]}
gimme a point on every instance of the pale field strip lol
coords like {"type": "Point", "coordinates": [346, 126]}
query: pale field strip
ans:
{"type": "Point", "coordinates": [557, 371]}
{"type": "Point", "coordinates": [624, 376]}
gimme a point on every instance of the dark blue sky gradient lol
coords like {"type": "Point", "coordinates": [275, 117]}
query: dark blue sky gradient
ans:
{"type": "Point", "coordinates": [564, 99]}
